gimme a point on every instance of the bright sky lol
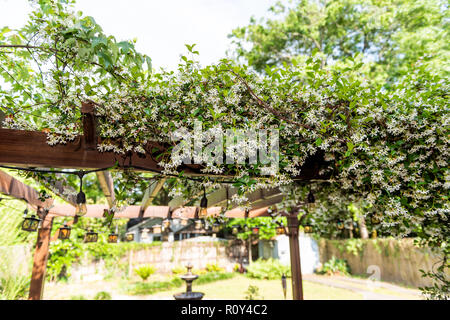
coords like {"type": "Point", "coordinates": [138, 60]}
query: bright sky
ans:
{"type": "Point", "coordinates": [161, 27]}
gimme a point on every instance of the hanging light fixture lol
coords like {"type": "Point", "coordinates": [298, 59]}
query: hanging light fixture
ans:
{"type": "Point", "coordinates": [157, 229]}
{"type": "Point", "coordinates": [280, 229]}
{"type": "Point", "coordinates": [90, 236]}
{"type": "Point", "coordinates": [81, 208]}
{"type": "Point", "coordinates": [376, 218]}
{"type": "Point", "coordinates": [30, 224]}
{"type": "Point", "coordinates": [203, 205]}
{"type": "Point", "coordinates": [64, 232]}
{"type": "Point", "coordinates": [129, 236]}
{"type": "Point", "coordinates": [311, 198]}
{"type": "Point", "coordinates": [235, 229]}
{"type": "Point", "coordinates": [114, 236]}
{"type": "Point", "coordinates": [215, 227]}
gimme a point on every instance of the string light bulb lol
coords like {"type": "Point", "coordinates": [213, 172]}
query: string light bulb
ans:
{"type": "Point", "coordinates": [81, 208]}
{"type": "Point", "coordinates": [203, 205]}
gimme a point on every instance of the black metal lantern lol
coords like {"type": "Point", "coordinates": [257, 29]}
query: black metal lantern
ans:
{"type": "Point", "coordinates": [215, 227]}
{"type": "Point", "coordinates": [311, 198]}
{"type": "Point", "coordinates": [64, 232]}
{"type": "Point", "coordinates": [30, 224]}
{"type": "Point", "coordinates": [255, 230]}
{"type": "Point", "coordinates": [129, 237]}
{"type": "Point", "coordinates": [90, 236]}
{"type": "Point", "coordinates": [112, 237]}
{"type": "Point", "coordinates": [280, 229]}
{"type": "Point", "coordinates": [235, 229]}
{"type": "Point", "coordinates": [340, 224]}
{"type": "Point", "coordinates": [376, 218]}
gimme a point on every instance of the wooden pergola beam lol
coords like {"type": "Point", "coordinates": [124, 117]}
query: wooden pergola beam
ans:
{"type": "Point", "coordinates": [107, 184]}
{"type": "Point", "coordinates": [150, 194]}
{"type": "Point", "coordinates": [17, 189]}
{"type": "Point", "coordinates": [30, 148]}
{"type": "Point", "coordinates": [60, 188]}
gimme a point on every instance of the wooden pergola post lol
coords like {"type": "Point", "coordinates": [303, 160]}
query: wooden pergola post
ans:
{"type": "Point", "coordinates": [40, 259]}
{"type": "Point", "coordinates": [296, 270]}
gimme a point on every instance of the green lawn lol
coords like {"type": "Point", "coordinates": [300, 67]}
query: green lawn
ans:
{"type": "Point", "coordinates": [235, 288]}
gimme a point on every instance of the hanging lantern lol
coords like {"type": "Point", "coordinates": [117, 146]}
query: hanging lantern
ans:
{"type": "Point", "coordinates": [308, 228]}
{"type": "Point", "coordinates": [198, 224]}
{"type": "Point", "coordinates": [129, 236]}
{"type": "Point", "coordinates": [30, 224]}
{"type": "Point", "coordinates": [90, 236]}
{"type": "Point", "coordinates": [81, 208]}
{"type": "Point", "coordinates": [112, 237]}
{"type": "Point", "coordinates": [235, 229]}
{"type": "Point", "coordinates": [203, 206]}
{"type": "Point", "coordinates": [157, 229]}
{"type": "Point", "coordinates": [280, 229]}
{"type": "Point", "coordinates": [64, 232]}
{"type": "Point", "coordinates": [255, 230]}
{"type": "Point", "coordinates": [215, 228]}
{"type": "Point", "coordinates": [340, 224]}
{"type": "Point", "coordinates": [311, 198]}
{"type": "Point", "coordinates": [376, 218]}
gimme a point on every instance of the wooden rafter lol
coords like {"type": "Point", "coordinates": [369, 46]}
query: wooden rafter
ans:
{"type": "Point", "coordinates": [107, 184]}
{"type": "Point", "coordinates": [150, 195]}
{"type": "Point", "coordinates": [17, 189]}
{"type": "Point", "coordinates": [30, 148]}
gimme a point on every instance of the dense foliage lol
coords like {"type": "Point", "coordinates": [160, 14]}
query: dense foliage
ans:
{"type": "Point", "coordinates": [389, 35]}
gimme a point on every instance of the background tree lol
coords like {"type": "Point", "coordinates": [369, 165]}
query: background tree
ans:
{"type": "Point", "coordinates": [390, 35]}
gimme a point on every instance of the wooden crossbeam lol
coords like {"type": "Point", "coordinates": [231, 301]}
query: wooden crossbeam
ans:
{"type": "Point", "coordinates": [16, 189]}
{"type": "Point", "coordinates": [150, 194]}
{"type": "Point", "coordinates": [30, 148]}
{"type": "Point", "coordinates": [107, 184]}
{"type": "Point", "coordinates": [60, 188]}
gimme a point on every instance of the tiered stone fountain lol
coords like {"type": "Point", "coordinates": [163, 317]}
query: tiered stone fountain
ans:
{"type": "Point", "coordinates": [189, 277]}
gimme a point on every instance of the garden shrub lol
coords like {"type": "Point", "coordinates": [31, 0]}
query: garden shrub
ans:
{"type": "Point", "coordinates": [270, 269]}
{"type": "Point", "coordinates": [214, 267]}
{"type": "Point", "coordinates": [145, 271]}
{"type": "Point", "coordinates": [252, 293]}
{"type": "Point", "coordinates": [335, 266]}
{"type": "Point", "coordinates": [103, 295]}
{"type": "Point", "coordinates": [179, 270]}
